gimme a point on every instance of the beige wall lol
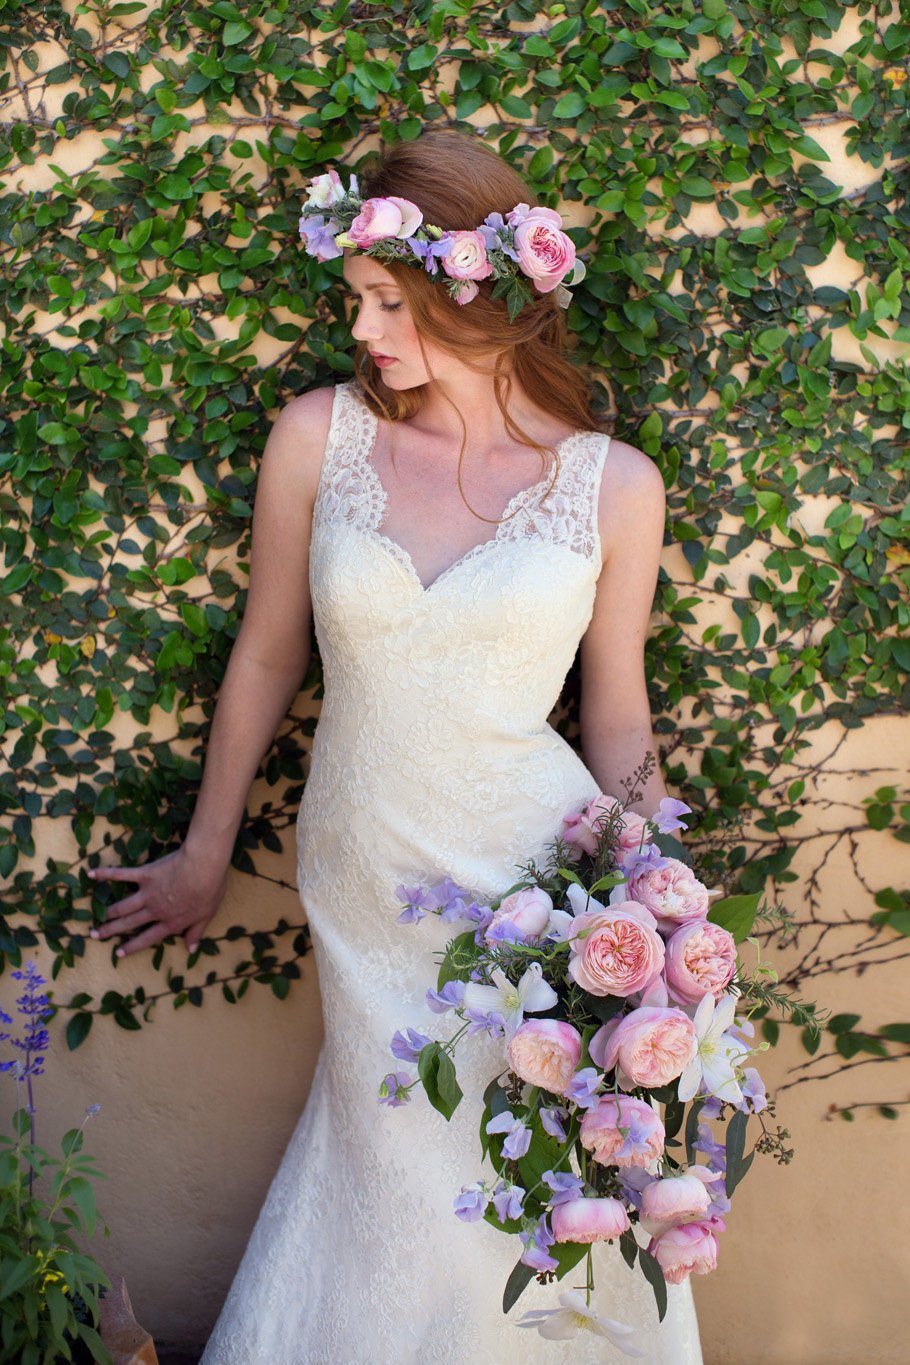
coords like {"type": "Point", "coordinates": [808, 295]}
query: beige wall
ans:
{"type": "Point", "coordinates": [197, 1108]}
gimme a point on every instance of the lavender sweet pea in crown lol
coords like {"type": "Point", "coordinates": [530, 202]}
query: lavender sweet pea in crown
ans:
{"type": "Point", "coordinates": [527, 244]}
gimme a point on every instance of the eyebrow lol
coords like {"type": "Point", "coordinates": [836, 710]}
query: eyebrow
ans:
{"type": "Point", "coordinates": [382, 285]}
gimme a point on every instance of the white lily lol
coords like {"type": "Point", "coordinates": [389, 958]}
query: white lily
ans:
{"type": "Point", "coordinates": [558, 1324]}
{"type": "Point", "coordinates": [712, 1070]}
{"type": "Point", "coordinates": [532, 994]}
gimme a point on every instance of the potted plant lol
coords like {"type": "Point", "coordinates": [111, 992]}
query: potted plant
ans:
{"type": "Point", "coordinates": [50, 1291]}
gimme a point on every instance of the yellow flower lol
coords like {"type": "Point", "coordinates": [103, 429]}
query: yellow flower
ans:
{"type": "Point", "coordinates": [895, 74]}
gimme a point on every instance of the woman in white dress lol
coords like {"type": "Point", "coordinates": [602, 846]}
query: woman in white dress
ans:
{"type": "Point", "coordinates": [444, 648]}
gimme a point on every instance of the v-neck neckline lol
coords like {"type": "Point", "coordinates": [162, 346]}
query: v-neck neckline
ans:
{"type": "Point", "coordinates": [402, 556]}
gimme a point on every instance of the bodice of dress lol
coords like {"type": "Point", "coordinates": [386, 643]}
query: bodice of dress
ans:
{"type": "Point", "coordinates": [445, 690]}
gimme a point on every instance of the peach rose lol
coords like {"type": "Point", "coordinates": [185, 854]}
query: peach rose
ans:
{"type": "Point", "coordinates": [701, 960]}
{"type": "Point", "coordinates": [672, 893]}
{"type": "Point", "coordinates": [545, 253]}
{"type": "Point", "coordinates": [467, 257]}
{"type": "Point", "coordinates": [614, 950]}
{"type": "Point", "coordinates": [545, 1052]}
{"type": "Point", "coordinates": [588, 1220]}
{"type": "Point", "coordinates": [691, 1247]}
{"type": "Point", "coordinates": [380, 219]}
{"type": "Point", "coordinates": [527, 910]}
{"type": "Point", "coordinates": [621, 1130]}
{"type": "Point", "coordinates": [651, 1046]}
{"type": "Point", "coordinates": [584, 828]}
{"type": "Point", "coordinates": [674, 1200]}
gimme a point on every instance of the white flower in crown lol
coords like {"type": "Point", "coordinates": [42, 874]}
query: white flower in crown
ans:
{"type": "Point", "coordinates": [325, 190]}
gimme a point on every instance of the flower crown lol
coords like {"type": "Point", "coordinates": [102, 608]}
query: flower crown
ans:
{"type": "Point", "coordinates": [528, 244]}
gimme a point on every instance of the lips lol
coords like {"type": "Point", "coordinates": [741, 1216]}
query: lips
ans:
{"type": "Point", "coordinates": [377, 356]}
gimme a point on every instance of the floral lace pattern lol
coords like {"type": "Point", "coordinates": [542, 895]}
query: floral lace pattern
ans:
{"type": "Point", "coordinates": [432, 757]}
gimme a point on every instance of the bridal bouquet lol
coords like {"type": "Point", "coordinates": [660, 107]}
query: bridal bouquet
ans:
{"type": "Point", "coordinates": [612, 978]}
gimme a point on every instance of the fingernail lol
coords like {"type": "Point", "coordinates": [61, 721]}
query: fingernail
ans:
{"type": "Point", "coordinates": [93, 933]}
{"type": "Point", "coordinates": [121, 952]}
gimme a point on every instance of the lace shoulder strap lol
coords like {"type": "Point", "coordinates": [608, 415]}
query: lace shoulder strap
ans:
{"type": "Point", "coordinates": [347, 490]}
{"type": "Point", "coordinates": [568, 514]}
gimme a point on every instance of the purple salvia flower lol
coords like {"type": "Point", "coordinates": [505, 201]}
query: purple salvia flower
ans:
{"type": "Point", "coordinates": [519, 1134]}
{"type": "Point", "coordinates": [451, 995]}
{"type": "Point", "coordinates": [583, 1086]}
{"type": "Point", "coordinates": [507, 1200]}
{"type": "Point", "coordinates": [551, 1121]}
{"type": "Point", "coordinates": [408, 1046]}
{"type": "Point", "coordinates": [564, 1184]}
{"type": "Point", "coordinates": [471, 1204]}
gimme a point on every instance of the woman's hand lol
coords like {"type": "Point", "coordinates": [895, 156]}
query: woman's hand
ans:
{"type": "Point", "coordinates": [177, 894]}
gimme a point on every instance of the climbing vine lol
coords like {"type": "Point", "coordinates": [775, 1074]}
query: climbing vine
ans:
{"type": "Point", "coordinates": [720, 164]}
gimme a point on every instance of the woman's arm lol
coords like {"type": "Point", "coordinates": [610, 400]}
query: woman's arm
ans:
{"type": "Point", "coordinates": [181, 891]}
{"type": "Point", "coordinates": [615, 715]}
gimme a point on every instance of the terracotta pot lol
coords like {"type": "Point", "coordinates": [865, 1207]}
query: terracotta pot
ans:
{"type": "Point", "coordinates": [127, 1342]}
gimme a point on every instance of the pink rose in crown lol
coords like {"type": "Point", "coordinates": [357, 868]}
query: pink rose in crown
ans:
{"type": "Point", "coordinates": [701, 960]}
{"type": "Point", "coordinates": [466, 258]}
{"type": "Point", "coordinates": [651, 1046]}
{"type": "Point", "coordinates": [672, 893]}
{"type": "Point", "coordinates": [584, 827]}
{"type": "Point", "coordinates": [526, 911]}
{"type": "Point", "coordinates": [380, 219]}
{"type": "Point", "coordinates": [545, 253]}
{"type": "Point", "coordinates": [687, 1249]}
{"type": "Point", "coordinates": [615, 950]}
{"type": "Point", "coordinates": [622, 1130]}
{"type": "Point", "coordinates": [677, 1199]}
{"type": "Point", "coordinates": [588, 1220]}
{"type": "Point", "coordinates": [545, 1052]}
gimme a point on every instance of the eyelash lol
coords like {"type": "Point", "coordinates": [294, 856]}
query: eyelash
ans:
{"type": "Point", "coordinates": [386, 307]}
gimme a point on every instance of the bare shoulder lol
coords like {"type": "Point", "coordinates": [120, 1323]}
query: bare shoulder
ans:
{"type": "Point", "coordinates": [297, 440]}
{"type": "Point", "coordinates": [633, 498]}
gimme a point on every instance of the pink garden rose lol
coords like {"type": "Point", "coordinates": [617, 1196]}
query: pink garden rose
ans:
{"type": "Point", "coordinates": [588, 1220]}
{"type": "Point", "coordinates": [615, 950]}
{"type": "Point", "coordinates": [689, 1248]}
{"type": "Point", "coordinates": [467, 257]}
{"type": "Point", "coordinates": [545, 253]}
{"type": "Point", "coordinates": [380, 219]}
{"type": "Point", "coordinates": [583, 828]}
{"type": "Point", "coordinates": [621, 1130]}
{"type": "Point", "coordinates": [672, 893]}
{"type": "Point", "coordinates": [528, 910]}
{"type": "Point", "coordinates": [651, 1046]}
{"type": "Point", "coordinates": [701, 960]}
{"type": "Point", "coordinates": [677, 1199]}
{"type": "Point", "coordinates": [545, 1052]}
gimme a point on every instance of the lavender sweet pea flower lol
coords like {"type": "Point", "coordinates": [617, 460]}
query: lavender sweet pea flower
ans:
{"type": "Point", "coordinates": [507, 1200]}
{"type": "Point", "coordinates": [408, 1046]}
{"type": "Point", "coordinates": [711, 1108]}
{"type": "Point", "coordinates": [394, 1089]}
{"type": "Point", "coordinates": [481, 1022]}
{"type": "Point", "coordinates": [582, 1087]}
{"type": "Point", "coordinates": [537, 1243]}
{"type": "Point", "coordinates": [753, 1088]}
{"type": "Point", "coordinates": [716, 1152]}
{"type": "Point", "coordinates": [494, 230]}
{"type": "Point", "coordinates": [519, 1139]}
{"type": "Point", "coordinates": [429, 252]}
{"type": "Point", "coordinates": [451, 995]}
{"type": "Point", "coordinates": [633, 1181]}
{"type": "Point", "coordinates": [471, 1204]}
{"type": "Point", "coordinates": [551, 1121]}
{"type": "Point", "coordinates": [564, 1184]}
{"type": "Point", "coordinates": [319, 237]}
{"type": "Point", "coordinates": [668, 813]}
{"type": "Point", "coordinates": [418, 901]}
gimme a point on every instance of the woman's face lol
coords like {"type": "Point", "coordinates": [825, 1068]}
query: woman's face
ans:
{"type": "Point", "coordinates": [385, 326]}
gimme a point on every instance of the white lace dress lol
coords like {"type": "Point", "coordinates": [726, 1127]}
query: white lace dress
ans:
{"type": "Point", "coordinates": [432, 758]}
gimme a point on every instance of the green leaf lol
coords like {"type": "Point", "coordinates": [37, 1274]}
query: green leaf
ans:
{"type": "Point", "coordinates": [448, 972]}
{"type": "Point", "coordinates": [655, 1277]}
{"type": "Point", "coordinates": [567, 1255]}
{"type": "Point", "coordinates": [570, 106]}
{"type": "Point", "coordinates": [78, 1028]}
{"type": "Point", "coordinates": [629, 1247]}
{"type": "Point", "coordinates": [736, 914]}
{"type": "Point", "coordinates": [517, 1282]}
{"type": "Point", "coordinates": [896, 1033]}
{"type": "Point", "coordinates": [737, 1165]}
{"type": "Point", "coordinates": [437, 1072]}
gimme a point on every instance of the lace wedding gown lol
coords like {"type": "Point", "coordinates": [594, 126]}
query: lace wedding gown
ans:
{"type": "Point", "coordinates": [432, 758]}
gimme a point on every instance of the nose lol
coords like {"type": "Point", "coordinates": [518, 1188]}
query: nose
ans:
{"type": "Point", "coordinates": [366, 326]}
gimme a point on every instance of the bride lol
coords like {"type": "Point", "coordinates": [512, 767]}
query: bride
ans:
{"type": "Point", "coordinates": [457, 522]}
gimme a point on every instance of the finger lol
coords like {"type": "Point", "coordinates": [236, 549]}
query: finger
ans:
{"type": "Point", "coordinates": [115, 874]}
{"type": "Point", "coordinates": [193, 934]}
{"type": "Point", "coordinates": [154, 934]}
{"type": "Point", "coordinates": [125, 925]}
{"type": "Point", "coordinates": [115, 913]}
